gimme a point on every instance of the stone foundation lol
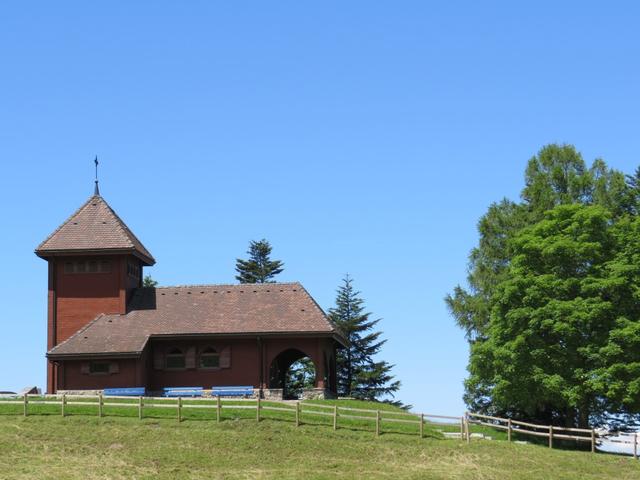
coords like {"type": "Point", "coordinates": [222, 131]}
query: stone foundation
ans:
{"type": "Point", "coordinates": [316, 394]}
{"type": "Point", "coordinates": [272, 393]}
{"type": "Point", "coordinates": [77, 392]}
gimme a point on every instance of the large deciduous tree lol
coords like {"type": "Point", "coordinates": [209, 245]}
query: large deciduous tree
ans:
{"type": "Point", "coordinates": [258, 268]}
{"type": "Point", "coordinates": [549, 319]}
{"type": "Point", "coordinates": [359, 373]}
{"type": "Point", "coordinates": [540, 310]}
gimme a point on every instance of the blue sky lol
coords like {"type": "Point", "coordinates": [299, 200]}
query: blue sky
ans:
{"type": "Point", "coordinates": [358, 137]}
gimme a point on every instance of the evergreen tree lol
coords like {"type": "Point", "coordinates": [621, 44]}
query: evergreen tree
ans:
{"type": "Point", "coordinates": [259, 268]}
{"type": "Point", "coordinates": [301, 375]}
{"type": "Point", "coordinates": [632, 199]}
{"type": "Point", "coordinates": [149, 282]}
{"type": "Point", "coordinates": [359, 375]}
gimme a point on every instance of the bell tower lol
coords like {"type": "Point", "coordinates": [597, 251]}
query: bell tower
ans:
{"type": "Point", "coordinates": [95, 263]}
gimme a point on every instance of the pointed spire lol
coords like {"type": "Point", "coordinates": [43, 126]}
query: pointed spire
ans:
{"type": "Point", "coordinates": [96, 190]}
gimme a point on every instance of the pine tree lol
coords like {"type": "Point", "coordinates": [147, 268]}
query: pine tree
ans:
{"type": "Point", "coordinates": [359, 375]}
{"type": "Point", "coordinates": [149, 282]}
{"type": "Point", "coordinates": [259, 268]}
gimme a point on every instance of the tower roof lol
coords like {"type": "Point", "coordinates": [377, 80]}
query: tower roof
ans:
{"type": "Point", "coordinates": [94, 228]}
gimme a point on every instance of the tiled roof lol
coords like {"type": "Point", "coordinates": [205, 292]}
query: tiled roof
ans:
{"type": "Point", "coordinates": [94, 227]}
{"type": "Point", "coordinates": [275, 308]}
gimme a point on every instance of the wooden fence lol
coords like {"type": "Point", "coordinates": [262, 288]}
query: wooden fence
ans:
{"type": "Point", "coordinates": [551, 432]}
{"type": "Point", "coordinates": [335, 412]}
{"type": "Point", "coordinates": [297, 409]}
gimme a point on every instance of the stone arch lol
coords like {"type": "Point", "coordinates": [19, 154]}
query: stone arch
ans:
{"type": "Point", "coordinates": [281, 364]}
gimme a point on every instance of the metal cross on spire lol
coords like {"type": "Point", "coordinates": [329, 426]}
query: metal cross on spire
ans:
{"type": "Point", "coordinates": [96, 190]}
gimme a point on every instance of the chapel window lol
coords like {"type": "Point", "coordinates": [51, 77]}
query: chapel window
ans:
{"type": "Point", "coordinates": [99, 367]}
{"type": "Point", "coordinates": [175, 359]}
{"type": "Point", "coordinates": [209, 358]}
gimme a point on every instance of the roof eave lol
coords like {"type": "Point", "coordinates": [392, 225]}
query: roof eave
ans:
{"type": "Point", "coordinates": [327, 334]}
{"type": "Point", "coordinates": [47, 253]}
{"type": "Point", "coordinates": [85, 355]}
{"type": "Point", "coordinates": [136, 354]}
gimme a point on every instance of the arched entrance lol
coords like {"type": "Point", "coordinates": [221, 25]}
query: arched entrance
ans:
{"type": "Point", "coordinates": [292, 371]}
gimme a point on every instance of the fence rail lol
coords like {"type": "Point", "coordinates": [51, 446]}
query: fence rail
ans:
{"type": "Point", "coordinates": [377, 417]}
{"type": "Point", "coordinates": [533, 429]}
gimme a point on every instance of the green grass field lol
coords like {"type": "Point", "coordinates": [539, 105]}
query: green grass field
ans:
{"type": "Point", "coordinates": [119, 446]}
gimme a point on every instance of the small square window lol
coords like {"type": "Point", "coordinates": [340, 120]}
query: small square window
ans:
{"type": "Point", "coordinates": [209, 358]}
{"type": "Point", "coordinates": [93, 267]}
{"type": "Point", "coordinates": [209, 361]}
{"type": "Point", "coordinates": [105, 266]}
{"type": "Point", "coordinates": [68, 267]}
{"type": "Point", "coordinates": [175, 361]}
{"type": "Point", "coordinates": [99, 367]}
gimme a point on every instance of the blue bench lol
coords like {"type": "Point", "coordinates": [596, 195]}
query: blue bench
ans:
{"type": "Point", "coordinates": [243, 391]}
{"type": "Point", "coordinates": [125, 392]}
{"type": "Point", "coordinates": [182, 392]}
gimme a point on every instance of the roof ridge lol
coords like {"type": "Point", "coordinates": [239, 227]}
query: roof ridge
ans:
{"type": "Point", "coordinates": [100, 315]}
{"type": "Point", "coordinates": [246, 285]}
{"type": "Point", "coordinates": [126, 230]}
{"type": "Point", "coordinates": [322, 312]}
{"type": "Point", "coordinates": [67, 220]}
{"type": "Point", "coordinates": [119, 223]}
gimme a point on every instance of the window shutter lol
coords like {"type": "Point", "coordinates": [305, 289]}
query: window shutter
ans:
{"type": "Point", "coordinates": [225, 357]}
{"type": "Point", "coordinates": [113, 367]}
{"type": "Point", "coordinates": [190, 358]}
{"type": "Point", "coordinates": [158, 359]}
{"type": "Point", "coordinates": [85, 368]}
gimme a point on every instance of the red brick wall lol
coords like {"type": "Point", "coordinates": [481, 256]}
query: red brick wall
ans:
{"type": "Point", "coordinates": [83, 296]}
{"type": "Point", "coordinates": [77, 298]}
{"type": "Point", "coordinates": [70, 376]}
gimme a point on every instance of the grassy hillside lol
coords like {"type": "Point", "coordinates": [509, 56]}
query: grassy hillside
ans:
{"type": "Point", "coordinates": [81, 446]}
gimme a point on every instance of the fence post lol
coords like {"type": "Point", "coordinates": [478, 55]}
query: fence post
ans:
{"type": "Point", "coordinates": [466, 423]}
{"type": "Point", "coordinates": [218, 407]}
{"type": "Point", "coordinates": [258, 409]}
{"type": "Point", "coordinates": [377, 422]}
{"type": "Point", "coordinates": [179, 409]}
{"type": "Point", "coordinates": [26, 402]}
{"type": "Point", "coordinates": [509, 429]}
{"type": "Point", "coordinates": [550, 436]}
{"type": "Point", "coordinates": [100, 400]}
{"type": "Point", "coordinates": [335, 417]}
{"type": "Point", "coordinates": [635, 446]}
{"type": "Point", "coordinates": [422, 425]}
{"type": "Point", "coordinates": [63, 403]}
{"type": "Point", "coordinates": [297, 414]}
{"type": "Point", "coordinates": [140, 405]}
{"type": "Point", "coordinates": [593, 440]}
